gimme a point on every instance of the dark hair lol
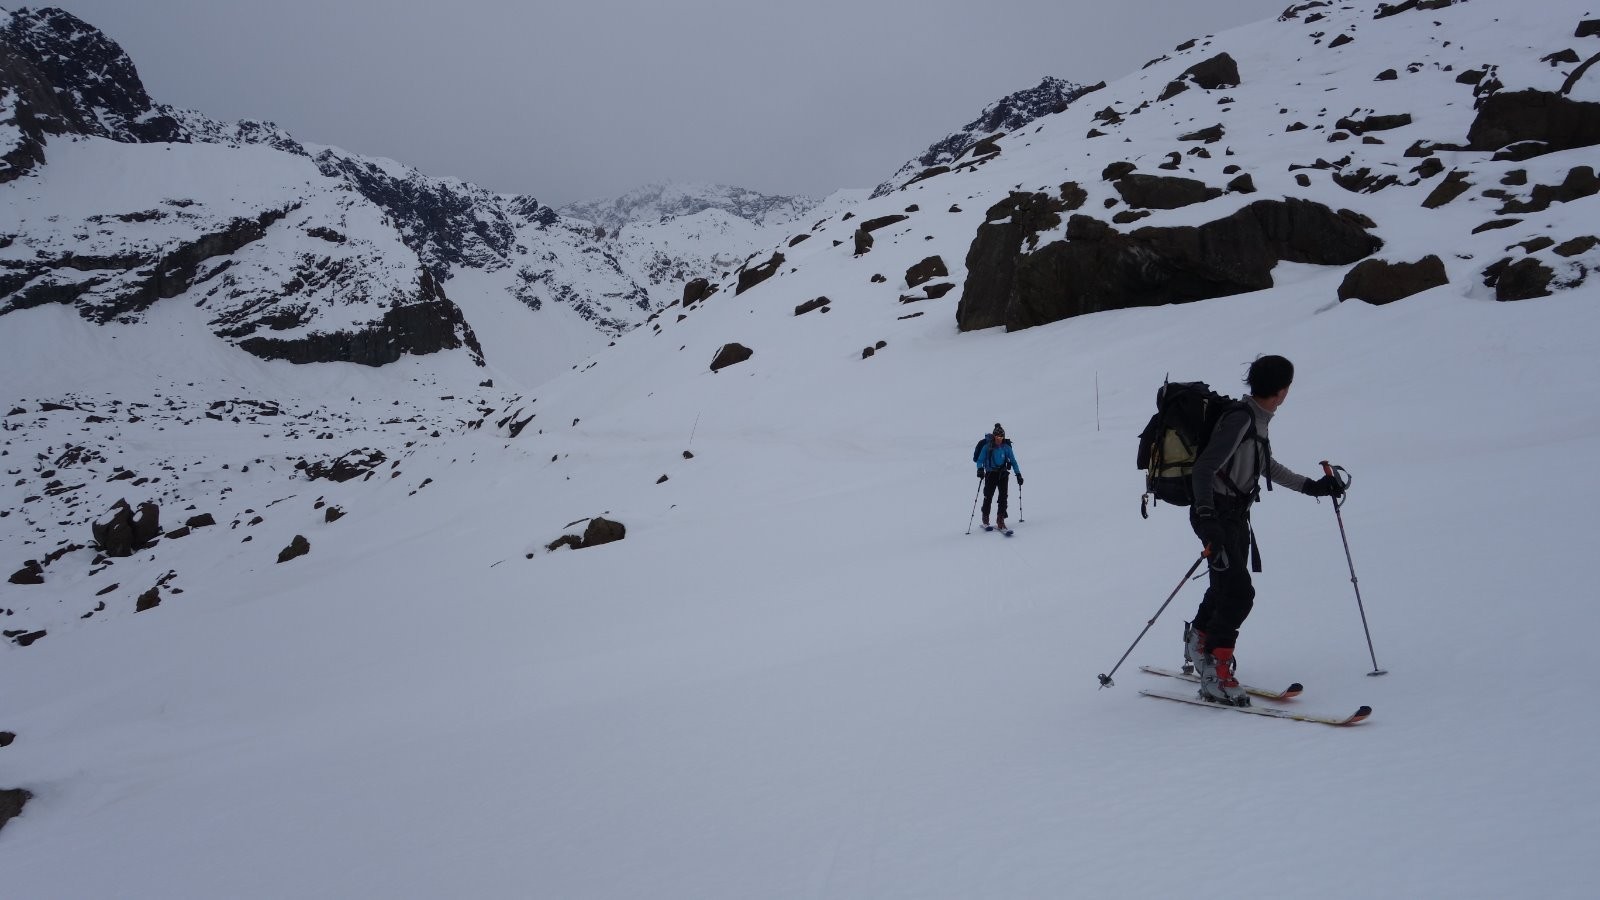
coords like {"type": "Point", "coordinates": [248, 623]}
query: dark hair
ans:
{"type": "Point", "coordinates": [1268, 375]}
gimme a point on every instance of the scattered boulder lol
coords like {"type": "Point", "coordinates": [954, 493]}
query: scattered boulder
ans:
{"type": "Point", "coordinates": [12, 800]}
{"type": "Point", "coordinates": [30, 573]}
{"type": "Point", "coordinates": [1378, 281]}
{"type": "Point", "coordinates": [599, 531]}
{"type": "Point", "coordinates": [352, 464]}
{"type": "Point", "coordinates": [697, 290]}
{"type": "Point", "coordinates": [1163, 191]}
{"type": "Point", "coordinates": [1524, 279]}
{"type": "Point", "coordinates": [730, 354]}
{"type": "Point", "coordinates": [751, 277]}
{"type": "Point", "coordinates": [119, 532]}
{"type": "Point", "coordinates": [150, 599]}
{"type": "Point", "coordinates": [1217, 72]}
{"type": "Point", "coordinates": [1577, 246]}
{"type": "Point", "coordinates": [1454, 185]}
{"type": "Point", "coordinates": [1209, 135]}
{"type": "Point", "coordinates": [297, 547]}
{"type": "Point", "coordinates": [1374, 123]}
{"type": "Point", "coordinates": [808, 306]}
{"type": "Point", "coordinates": [1243, 184]}
{"type": "Point", "coordinates": [332, 514]}
{"type": "Point", "coordinates": [927, 270]}
{"type": "Point", "coordinates": [7, 737]}
{"type": "Point", "coordinates": [201, 521]}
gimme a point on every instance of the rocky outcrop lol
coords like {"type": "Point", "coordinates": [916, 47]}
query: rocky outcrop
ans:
{"type": "Point", "coordinates": [730, 354]}
{"type": "Point", "coordinates": [925, 271]}
{"type": "Point", "coordinates": [430, 324]}
{"type": "Point", "coordinates": [1537, 121]}
{"type": "Point", "coordinates": [1098, 268]}
{"type": "Point", "coordinates": [1379, 281]}
{"type": "Point", "coordinates": [996, 250]}
{"type": "Point", "coordinates": [754, 275]}
{"type": "Point", "coordinates": [119, 532]}
{"type": "Point", "coordinates": [12, 800]}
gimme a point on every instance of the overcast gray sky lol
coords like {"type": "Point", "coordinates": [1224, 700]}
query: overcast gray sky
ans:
{"type": "Point", "coordinates": [586, 99]}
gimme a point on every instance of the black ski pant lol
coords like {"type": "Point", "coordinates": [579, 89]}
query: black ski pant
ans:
{"type": "Point", "coordinates": [993, 479]}
{"type": "Point", "coordinates": [1230, 596]}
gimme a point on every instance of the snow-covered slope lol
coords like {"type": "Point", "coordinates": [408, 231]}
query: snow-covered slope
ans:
{"type": "Point", "coordinates": [797, 674]}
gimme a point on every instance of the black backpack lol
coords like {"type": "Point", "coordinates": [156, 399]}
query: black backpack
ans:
{"type": "Point", "coordinates": [1186, 414]}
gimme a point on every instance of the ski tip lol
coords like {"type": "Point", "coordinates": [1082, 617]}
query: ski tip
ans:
{"type": "Point", "coordinates": [1360, 716]}
{"type": "Point", "coordinates": [1294, 690]}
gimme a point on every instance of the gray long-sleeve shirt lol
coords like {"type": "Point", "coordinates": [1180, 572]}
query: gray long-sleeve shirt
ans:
{"type": "Point", "coordinates": [1241, 464]}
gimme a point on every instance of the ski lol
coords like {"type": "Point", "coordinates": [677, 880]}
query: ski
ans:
{"type": "Point", "coordinates": [1288, 693]}
{"type": "Point", "coordinates": [1276, 712]}
{"type": "Point", "coordinates": [988, 528]}
{"type": "Point", "coordinates": [1007, 532]}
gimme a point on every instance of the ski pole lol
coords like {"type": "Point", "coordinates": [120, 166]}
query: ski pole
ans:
{"type": "Point", "coordinates": [1344, 480]}
{"type": "Point", "coordinates": [1020, 516]}
{"type": "Point", "coordinates": [1105, 680]}
{"type": "Point", "coordinates": [974, 505]}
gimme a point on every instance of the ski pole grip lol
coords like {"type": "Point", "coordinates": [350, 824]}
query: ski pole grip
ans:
{"type": "Point", "coordinates": [1327, 469]}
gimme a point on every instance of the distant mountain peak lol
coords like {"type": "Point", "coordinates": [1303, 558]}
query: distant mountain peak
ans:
{"type": "Point", "coordinates": [654, 204]}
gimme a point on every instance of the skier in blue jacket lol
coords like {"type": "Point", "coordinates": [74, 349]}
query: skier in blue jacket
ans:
{"type": "Point", "coordinates": [995, 461]}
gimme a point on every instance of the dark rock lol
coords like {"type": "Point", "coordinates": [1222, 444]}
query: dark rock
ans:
{"type": "Point", "coordinates": [1374, 123]}
{"type": "Point", "coordinates": [149, 600]}
{"type": "Point", "coordinates": [1340, 41]}
{"type": "Point", "coordinates": [662, 479]}
{"type": "Point", "coordinates": [1454, 185]}
{"type": "Point", "coordinates": [118, 532]}
{"type": "Point", "coordinates": [798, 238]}
{"type": "Point", "coordinates": [1379, 281]}
{"type": "Point", "coordinates": [697, 290]}
{"type": "Point", "coordinates": [1243, 184]}
{"type": "Point", "coordinates": [1551, 120]}
{"type": "Point", "coordinates": [995, 251]}
{"type": "Point", "coordinates": [332, 514]}
{"type": "Point", "coordinates": [1218, 72]}
{"type": "Point", "coordinates": [352, 464]}
{"type": "Point", "coordinates": [1163, 191]}
{"type": "Point", "coordinates": [1524, 279]}
{"type": "Point", "coordinates": [566, 540]}
{"type": "Point", "coordinates": [1429, 168]}
{"type": "Point", "coordinates": [1116, 170]}
{"type": "Point", "coordinates": [26, 639]}
{"type": "Point", "coordinates": [1097, 268]}
{"type": "Point", "coordinates": [1129, 216]}
{"type": "Point", "coordinates": [1580, 182]}
{"type": "Point", "coordinates": [751, 277]}
{"type": "Point", "coordinates": [688, 455]}
{"type": "Point", "coordinates": [1577, 246]}
{"type": "Point", "coordinates": [867, 352]}
{"type": "Point", "coordinates": [12, 800]}
{"type": "Point", "coordinates": [1495, 225]}
{"type": "Point", "coordinates": [1173, 89]}
{"type": "Point", "coordinates": [1387, 75]}
{"type": "Point", "coordinates": [1588, 28]}
{"type": "Point", "coordinates": [729, 354]}
{"type": "Point", "coordinates": [176, 533]}
{"type": "Point", "coordinates": [1073, 196]}
{"type": "Point", "coordinates": [297, 547]}
{"type": "Point", "coordinates": [809, 305]}
{"type": "Point", "coordinates": [7, 738]}
{"type": "Point", "coordinates": [1209, 135]}
{"type": "Point", "coordinates": [30, 573]}
{"type": "Point", "coordinates": [935, 291]}
{"type": "Point", "coordinates": [603, 531]}
{"type": "Point", "coordinates": [925, 271]}
{"type": "Point", "coordinates": [1568, 55]}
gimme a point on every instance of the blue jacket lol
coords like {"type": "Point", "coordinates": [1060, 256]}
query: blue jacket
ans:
{"type": "Point", "coordinates": [988, 456]}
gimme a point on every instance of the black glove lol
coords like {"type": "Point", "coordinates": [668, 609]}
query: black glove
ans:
{"type": "Point", "coordinates": [980, 473]}
{"type": "Point", "coordinates": [1326, 486]}
{"type": "Point", "coordinates": [1209, 528]}
{"type": "Point", "coordinates": [1019, 480]}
